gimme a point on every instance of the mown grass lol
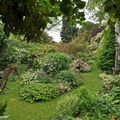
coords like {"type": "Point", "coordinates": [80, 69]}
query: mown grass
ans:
{"type": "Point", "coordinates": [92, 81]}
{"type": "Point", "coordinates": [19, 110]}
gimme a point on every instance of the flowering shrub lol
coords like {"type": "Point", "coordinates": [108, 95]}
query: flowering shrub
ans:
{"type": "Point", "coordinates": [81, 65]}
{"type": "Point", "coordinates": [105, 77]}
{"type": "Point", "coordinates": [55, 62]}
{"type": "Point", "coordinates": [109, 81]}
{"type": "Point", "coordinates": [63, 87]}
{"type": "Point", "coordinates": [42, 77]}
{"type": "Point", "coordinates": [39, 76]}
{"type": "Point", "coordinates": [27, 78]}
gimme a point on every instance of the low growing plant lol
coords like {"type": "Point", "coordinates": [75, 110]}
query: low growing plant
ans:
{"type": "Point", "coordinates": [68, 76]}
{"type": "Point", "coordinates": [38, 92]}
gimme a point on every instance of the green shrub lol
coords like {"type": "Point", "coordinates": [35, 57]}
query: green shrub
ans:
{"type": "Point", "coordinates": [115, 93]}
{"type": "Point", "coordinates": [84, 105]}
{"type": "Point", "coordinates": [106, 52]}
{"type": "Point", "coordinates": [42, 77]}
{"type": "Point", "coordinates": [12, 78]}
{"type": "Point", "coordinates": [109, 82]}
{"type": "Point", "coordinates": [32, 60]}
{"type": "Point", "coordinates": [55, 62]}
{"type": "Point", "coordinates": [106, 77]}
{"type": "Point", "coordinates": [68, 106]}
{"type": "Point", "coordinates": [69, 77]}
{"type": "Point", "coordinates": [27, 78]}
{"type": "Point", "coordinates": [116, 81]}
{"type": "Point", "coordinates": [3, 39]}
{"type": "Point", "coordinates": [63, 87]}
{"type": "Point", "coordinates": [3, 106]}
{"type": "Point", "coordinates": [21, 68]}
{"type": "Point", "coordinates": [38, 92]}
{"type": "Point", "coordinates": [76, 104]}
{"type": "Point", "coordinates": [31, 76]}
{"type": "Point", "coordinates": [3, 46]}
{"type": "Point", "coordinates": [17, 51]}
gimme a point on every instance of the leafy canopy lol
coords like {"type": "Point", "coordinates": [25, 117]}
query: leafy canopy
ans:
{"type": "Point", "coordinates": [111, 7]}
{"type": "Point", "coordinates": [30, 17]}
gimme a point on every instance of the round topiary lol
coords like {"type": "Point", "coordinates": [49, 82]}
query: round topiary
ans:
{"type": "Point", "coordinates": [55, 62]}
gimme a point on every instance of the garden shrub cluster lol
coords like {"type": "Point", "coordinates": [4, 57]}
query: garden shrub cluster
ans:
{"type": "Point", "coordinates": [94, 44]}
{"type": "Point", "coordinates": [85, 106]}
{"type": "Point", "coordinates": [29, 54]}
{"type": "Point", "coordinates": [38, 92]}
{"type": "Point", "coordinates": [63, 87]}
{"type": "Point", "coordinates": [54, 74]}
{"type": "Point", "coordinates": [38, 76]}
{"type": "Point", "coordinates": [55, 62]}
{"type": "Point", "coordinates": [111, 85]}
{"type": "Point", "coordinates": [68, 76]}
{"type": "Point", "coordinates": [76, 48]}
{"type": "Point", "coordinates": [81, 65]}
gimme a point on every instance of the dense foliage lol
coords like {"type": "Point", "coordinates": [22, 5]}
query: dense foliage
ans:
{"type": "Point", "coordinates": [31, 17]}
{"type": "Point", "coordinates": [84, 105]}
{"type": "Point", "coordinates": [3, 44]}
{"type": "Point", "coordinates": [3, 38]}
{"type": "Point", "coordinates": [111, 7]}
{"type": "Point", "coordinates": [55, 62]}
{"type": "Point", "coordinates": [24, 54]}
{"type": "Point", "coordinates": [69, 77]}
{"type": "Point", "coordinates": [38, 92]}
{"type": "Point", "coordinates": [106, 52]}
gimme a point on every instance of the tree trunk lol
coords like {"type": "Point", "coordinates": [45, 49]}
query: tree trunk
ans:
{"type": "Point", "coordinates": [117, 47]}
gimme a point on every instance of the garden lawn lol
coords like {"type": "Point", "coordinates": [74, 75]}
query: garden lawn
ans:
{"type": "Point", "coordinates": [19, 110]}
{"type": "Point", "coordinates": [92, 81]}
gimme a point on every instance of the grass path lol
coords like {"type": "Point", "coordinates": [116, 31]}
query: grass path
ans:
{"type": "Point", "coordinates": [18, 110]}
{"type": "Point", "coordinates": [92, 81]}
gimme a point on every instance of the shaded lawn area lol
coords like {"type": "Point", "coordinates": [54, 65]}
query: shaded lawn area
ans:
{"type": "Point", "coordinates": [19, 110]}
